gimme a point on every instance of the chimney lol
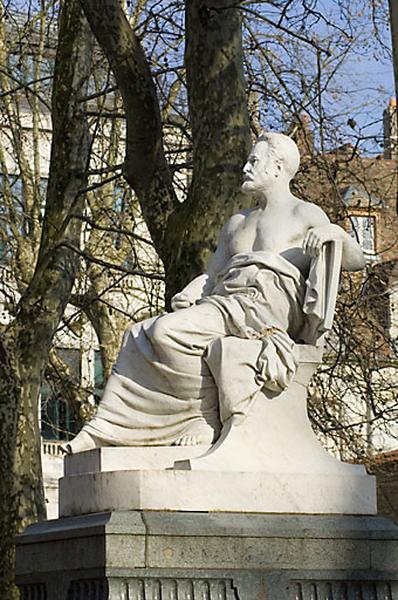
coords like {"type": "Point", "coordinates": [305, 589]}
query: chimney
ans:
{"type": "Point", "coordinates": [390, 130]}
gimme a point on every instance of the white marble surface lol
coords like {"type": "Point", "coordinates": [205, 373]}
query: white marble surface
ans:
{"type": "Point", "coordinates": [212, 491]}
{"type": "Point", "coordinates": [276, 436]}
{"type": "Point", "coordinates": [181, 376]}
{"type": "Point", "coordinates": [229, 359]}
{"type": "Point", "coordinates": [270, 462]}
{"type": "Point", "coordinates": [125, 458]}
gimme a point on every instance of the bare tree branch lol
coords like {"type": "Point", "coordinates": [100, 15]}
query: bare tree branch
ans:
{"type": "Point", "coordinates": [146, 168]}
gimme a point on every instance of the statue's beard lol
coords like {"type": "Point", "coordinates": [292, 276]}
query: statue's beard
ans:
{"type": "Point", "coordinates": [250, 185]}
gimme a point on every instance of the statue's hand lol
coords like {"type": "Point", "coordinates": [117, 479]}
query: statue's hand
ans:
{"type": "Point", "coordinates": [180, 300]}
{"type": "Point", "coordinates": [317, 236]}
{"type": "Point", "coordinates": [190, 294]}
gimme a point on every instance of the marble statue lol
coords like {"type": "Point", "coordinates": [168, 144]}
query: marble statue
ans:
{"type": "Point", "coordinates": [181, 376]}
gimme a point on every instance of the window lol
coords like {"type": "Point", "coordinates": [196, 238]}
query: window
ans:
{"type": "Point", "coordinates": [57, 419]}
{"type": "Point", "coordinates": [363, 230]}
{"type": "Point", "coordinates": [12, 207]}
{"type": "Point", "coordinates": [23, 64]}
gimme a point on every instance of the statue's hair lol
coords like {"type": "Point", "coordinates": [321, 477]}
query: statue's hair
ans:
{"type": "Point", "coordinates": [284, 149]}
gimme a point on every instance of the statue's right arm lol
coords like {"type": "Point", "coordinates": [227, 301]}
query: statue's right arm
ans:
{"type": "Point", "coordinates": [203, 285]}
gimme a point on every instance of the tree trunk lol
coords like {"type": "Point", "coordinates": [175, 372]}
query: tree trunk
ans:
{"type": "Point", "coordinates": [29, 336]}
{"type": "Point", "coordinates": [221, 136]}
{"type": "Point", "coordinates": [108, 328]}
{"type": "Point", "coordinates": [184, 235]}
{"type": "Point", "coordinates": [9, 393]}
{"type": "Point", "coordinates": [146, 168]}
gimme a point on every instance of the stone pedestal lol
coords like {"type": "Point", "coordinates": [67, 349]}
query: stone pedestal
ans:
{"type": "Point", "coordinates": [206, 523]}
{"type": "Point", "coordinates": [147, 555]}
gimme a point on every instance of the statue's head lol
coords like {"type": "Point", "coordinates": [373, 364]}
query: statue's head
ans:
{"type": "Point", "coordinates": [273, 156]}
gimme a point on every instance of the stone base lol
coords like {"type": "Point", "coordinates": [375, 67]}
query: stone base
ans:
{"type": "Point", "coordinates": [124, 458]}
{"type": "Point", "coordinates": [202, 556]}
{"type": "Point", "coordinates": [305, 493]}
{"type": "Point", "coordinates": [268, 462]}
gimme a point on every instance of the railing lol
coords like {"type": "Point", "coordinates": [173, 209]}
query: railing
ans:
{"type": "Point", "coordinates": [52, 447]}
{"type": "Point", "coordinates": [6, 275]}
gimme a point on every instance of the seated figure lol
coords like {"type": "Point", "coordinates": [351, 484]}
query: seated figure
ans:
{"type": "Point", "coordinates": [181, 376]}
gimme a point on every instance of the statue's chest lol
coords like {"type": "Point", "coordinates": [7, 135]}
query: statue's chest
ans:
{"type": "Point", "coordinates": [265, 234]}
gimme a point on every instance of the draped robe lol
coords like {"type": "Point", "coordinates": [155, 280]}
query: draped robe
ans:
{"type": "Point", "coordinates": [206, 363]}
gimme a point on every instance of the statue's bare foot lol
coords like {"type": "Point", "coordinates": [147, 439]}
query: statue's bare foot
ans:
{"type": "Point", "coordinates": [198, 434]}
{"type": "Point", "coordinates": [82, 442]}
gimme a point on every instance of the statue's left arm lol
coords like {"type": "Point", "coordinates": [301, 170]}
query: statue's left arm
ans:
{"type": "Point", "coordinates": [321, 230]}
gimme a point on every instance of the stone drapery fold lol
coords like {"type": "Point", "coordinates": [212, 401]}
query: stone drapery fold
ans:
{"type": "Point", "coordinates": [206, 363]}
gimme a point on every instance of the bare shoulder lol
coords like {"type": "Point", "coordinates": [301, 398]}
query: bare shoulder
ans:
{"type": "Point", "coordinates": [237, 218]}
{"type": "Point", "coordinates": [311, 214]}
{"type": "Point", "coordinates": [223, 251]}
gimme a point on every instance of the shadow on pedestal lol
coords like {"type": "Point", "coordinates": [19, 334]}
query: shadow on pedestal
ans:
{"type": "Point", "coordinates": [202, 556]}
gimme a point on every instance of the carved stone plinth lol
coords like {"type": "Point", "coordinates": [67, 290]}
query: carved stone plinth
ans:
{"type": "Point", "coordinates": [201, 556]}
{"type": "Point", "coordinates": [270, 462]}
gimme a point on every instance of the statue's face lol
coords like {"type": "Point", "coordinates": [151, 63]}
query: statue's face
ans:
{"type": "Point", "coordinates": [260, 169]}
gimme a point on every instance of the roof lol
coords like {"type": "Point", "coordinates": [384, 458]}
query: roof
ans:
{"type": "Point", "coordinates": [356, 196]}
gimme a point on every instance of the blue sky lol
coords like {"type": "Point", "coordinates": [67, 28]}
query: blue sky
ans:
{"type": "Point", "coordinates": [362, 83]}
{"type": "Point", "coordinates": [367, 74]}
